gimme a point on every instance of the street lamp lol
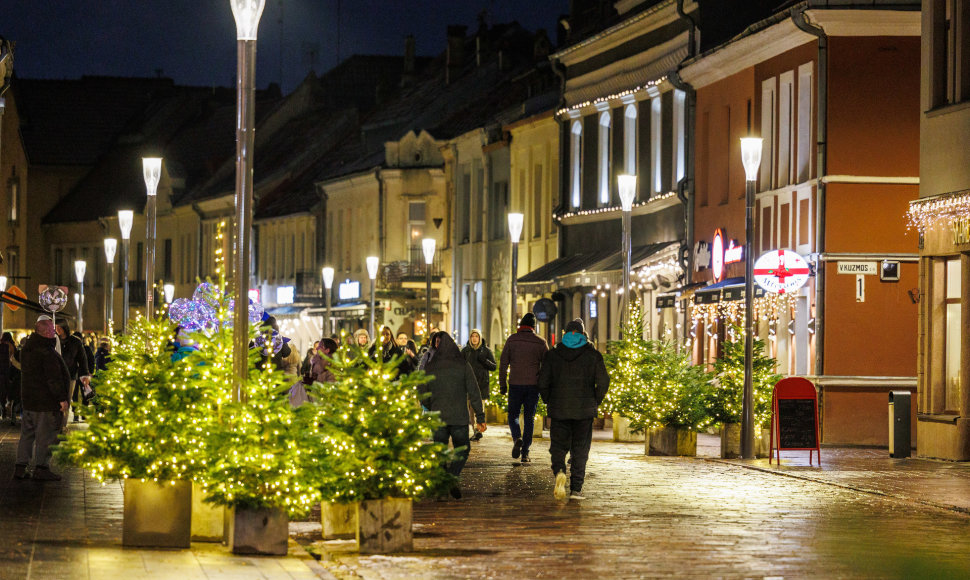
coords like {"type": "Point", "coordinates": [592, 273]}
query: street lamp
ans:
{"type": "Point", "coordinates": [627, 187]}
{"type": "Point", "coordinates": [515, 232]}
{"type": "Point", "coordinates": [80, 267]}
{"type": "Point", "coordinates": [246, 13]}
{"type": "Point", "coordinates": [110, 247]}
{"type": "Point", "coordinates": [751, 159]}
{"type": "Point", "coordinates": [152, 168]}
{"type": "Point", "coordinates": [372, 264]}
{"type": "Point", "coordinates": [328, 285]}
{"type": "Point", "coordinates": [3, 288]}
{"type": "Point", "coordinates": [169, 291]}
{"type": "Point", "coordinates": [125, 218]}
{"type": "Point", "coordinates": [428, 245]}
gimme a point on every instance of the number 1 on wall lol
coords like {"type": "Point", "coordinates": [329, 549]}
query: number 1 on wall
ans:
{"type": "Point", "coordinates": [860, 288]}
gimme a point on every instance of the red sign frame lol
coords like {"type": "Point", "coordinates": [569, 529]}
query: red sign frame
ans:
{"type": "Point", "coordinates": [793, 388]}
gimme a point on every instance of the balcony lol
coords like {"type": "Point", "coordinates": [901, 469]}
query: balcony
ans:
{"type": "Point", "coordinates": [396, 274]}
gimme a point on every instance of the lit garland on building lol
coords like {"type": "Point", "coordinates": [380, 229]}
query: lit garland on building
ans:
{"type": "Point", "coordinates": [727, 388]}
{"type": "Point", "coordinates": [939, 212]}
{"type": "Point", "coordinates": [612, 209]}
{"type": "Point", "coordinates": [645, 87]}
{"type": "Point", "coordinates": [767, 309]}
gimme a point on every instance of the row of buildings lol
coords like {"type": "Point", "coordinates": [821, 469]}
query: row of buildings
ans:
{"type": "Point", "coordinates": [861, 107]}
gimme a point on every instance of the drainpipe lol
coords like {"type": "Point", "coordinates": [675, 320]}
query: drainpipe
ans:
{"type": "Point", "coordinates": [380, 213]}
{"type": "Point", "coordinates": [456, 273]}
{"type": "Point", "coordinates": [691, 32]}
{"type": "Point", "coordinates": [799, 19]}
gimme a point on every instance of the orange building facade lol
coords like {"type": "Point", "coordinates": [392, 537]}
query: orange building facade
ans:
{"type": "Point", "coordinates": [839, 116]}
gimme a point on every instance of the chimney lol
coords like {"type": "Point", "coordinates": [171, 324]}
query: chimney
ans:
{"type": "Point", "coordinates": [481, 39]}
{"type": "Point", "coordinates": [407, 77]}
{"type": "Point", "coordinates": [456, 52]}
{"type": "Point", "coordinates": [541, 47]}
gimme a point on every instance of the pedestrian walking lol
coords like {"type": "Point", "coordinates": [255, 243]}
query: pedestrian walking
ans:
{"type": "Point", "coordinates": [410, 362]}
{"type": "Point", "coordinates": [9, 378]}
{"type": "Point", "coordinates": [319, 371]}
{"type": "Point", "coordinates": [573, 382]}
{"type": "Point", "coordinates": [46, 395]}
{"type": "Point", "coordinates": [452, 386]}
{"type": "Point", "coordinates": [385, 348]}
{"type": "Point", "coordinates": [480, 358]}
{"type": "Point", "coordinates": [361, 338]}
{"type": "Point", "coordinates": [103, 355]}
{"type": "Point", "coordinates": [519, 376]}
{"type": "Point", "coordinates": [72, 351]}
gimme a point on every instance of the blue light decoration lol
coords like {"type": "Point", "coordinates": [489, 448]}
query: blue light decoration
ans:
{"type": "Point", "coordinates": [201, 314]}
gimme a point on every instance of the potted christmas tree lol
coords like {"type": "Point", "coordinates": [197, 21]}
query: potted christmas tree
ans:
{"type": "Point", "coordinates": [624, 359]}
{"type": "Point", "coordinates": [378, 453]}
{"type": "Point", "coordinates": [149, 430]}
{"type": "Point", "coordinates": [724, 400]}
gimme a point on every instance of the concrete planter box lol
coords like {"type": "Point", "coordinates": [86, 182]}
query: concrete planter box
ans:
{"type": "Point", "coordinates": [536, 426]}
{"type": "Point", "coordinates": [339, 520]}
{"type": "Point", "coordinates": [262, 531]}
{"type": "Point", "coordinates": [208, 520]}
{"type": "Point", "coordinates": [384, 526]}
{"type": "Point", "coordinates": [671, 441]}
{"type": "Point", "coordinates": [731, 441]}
{"type": "Point", "coordinates": [495, 415]}
{"type": "Point", "coordinates": [157, 515]}
{"type": "Point", "coordinates": [761, 448]}
{"type": "Point", "coordinates": [621, 430]}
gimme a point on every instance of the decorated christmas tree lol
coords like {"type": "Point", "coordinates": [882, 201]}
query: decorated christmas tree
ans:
{"type": "Point", "coordinates": [727, 392]}
{"type": "Point", "coordinates": [152, 414]}
{"type": "Point", "coordinates": [624, 360]}
{"type": "Point", "coordinates": [375, 437]}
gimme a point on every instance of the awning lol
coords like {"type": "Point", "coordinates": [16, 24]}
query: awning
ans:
{"type": "Point", "coordinates": [289, 311]}
{"type": "Point", "coordinates": [670, 297]}
{"type": "Point", "coordinates": [338, 310]}
{"type": "Point", "coordinates": [602, 261]}
{"type": "Point", "coordinates": [725, 291]}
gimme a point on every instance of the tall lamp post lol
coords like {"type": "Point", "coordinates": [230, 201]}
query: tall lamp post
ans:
{"type": "Point", "coordinates": [372, 264]}
{"type": "Point", "coordinates": [751, 159]}
{"type": "Point", "coordinates": [627, 187]}
{"type": "Point", "coordinates": [515, 232]}
{"type": "Point", "coordinates": [246, 14]}
{"type": "Point", "coordinates": [125, 218]}
{"type": "Point", "coordinates": [3, 288]}
{"type": "Point", "coordinates": [428, 245]}
{"type": "Point", "coordinates": [327, 273]}
{"type": "Point", "coordinates": [152, 167]}
{"type": "Point", "coordinates": [80, 267]}
{"type": "Point", "coordinates": [110, 247]}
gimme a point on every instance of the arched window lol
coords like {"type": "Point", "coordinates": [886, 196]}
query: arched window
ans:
{"type": "Point", "coordinates": [680, 134]}
{"type": "Point", "coordinates": [630, 140]}
{"type": "Point", "coordinates": [604, 158]}
{"type": "Point", "coordinates": [575, 162]}
{"type": "Point", "coordinates": [656, 135]}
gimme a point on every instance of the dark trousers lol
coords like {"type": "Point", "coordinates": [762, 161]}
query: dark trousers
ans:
{"type": "Point", "coordinates": [523, 398]}
{"type": "Point", "coordinates": [572, 436]}
{"type": "Point", "coordinates": [458, 434]}
{"type": "Point", "coordinates": [38, 432]}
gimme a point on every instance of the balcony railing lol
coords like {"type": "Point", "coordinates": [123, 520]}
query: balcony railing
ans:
{"type": "Point", "coordinates": [411, 270]}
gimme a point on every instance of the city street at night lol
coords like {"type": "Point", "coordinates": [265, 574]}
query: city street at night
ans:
{"type": "Point", "coordinates": [642, 517]}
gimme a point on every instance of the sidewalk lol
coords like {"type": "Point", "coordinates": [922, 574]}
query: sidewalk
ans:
{"type": "Point", "coordinates": [71, 529]}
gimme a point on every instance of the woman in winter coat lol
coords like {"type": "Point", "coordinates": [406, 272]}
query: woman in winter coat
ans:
{"type": "Point", "coordinates": [384, 348]}
{"type": "Point", "coordinates": [482, 361]}
{"type": "Point", "coordinates": [453, 385]}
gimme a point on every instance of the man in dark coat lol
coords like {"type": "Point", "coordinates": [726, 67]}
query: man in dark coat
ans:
{"type": "Point", "coordinates": [46, 393]}
{"type": "Point", "coordinates": [451, 388]}
{"type": "Point", "coordinates": [480, 358]}
{"type": "Point", "coordinates": [573, 382]}
{"type": "Point", "coordinates": [72, 351]}
{"type": "Point", "coordinates": [519, 375]}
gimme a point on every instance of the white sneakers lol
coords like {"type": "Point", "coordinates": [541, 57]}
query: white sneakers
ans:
{"type": "Point", "coordinates": [560, 490]}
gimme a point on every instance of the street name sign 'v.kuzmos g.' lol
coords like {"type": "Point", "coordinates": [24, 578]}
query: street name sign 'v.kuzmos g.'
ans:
{"type": "Point", "coordinates": [794, 418]}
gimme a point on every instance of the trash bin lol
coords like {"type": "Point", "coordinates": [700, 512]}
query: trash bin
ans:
{"type": "Point", "coordinates": [900, 422]}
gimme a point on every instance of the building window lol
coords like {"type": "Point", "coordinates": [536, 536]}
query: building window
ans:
{"type": "Point", "coordinates": [785, 122]}
{"type": "Point", "coordinates": [954, 335]}
{"type": "Point", "coordinates": [537, 201]}
{"type": "Point", "coordinates": [767, 134]}
{"type": "Point", "coordinates": [14, 199]}
{"type": "Point", "coordinates": [656, 151]}
{"type": "Point", "coordinates": [499, 207]}
{"type": "Point", "coordinates": [680, 135]}
{"type": "Point", "coordinates": [576, 163]}
{"type": "Point", "coordinates": [803, 147]}
{"type": "Point", "coordinates": [167, 260]}
{"type": "Point", "coordinates": [604, 158]}
{"type": "Point", "coordinates": [950, 72]}
{"type": "Point", "coordinates": [630, 140]}
{"type": "Point", "coordinates": [478, 203]}
{"type": "Point", "coordinates": [464, 209]}
{"type": "Point", "coordinates": [416, 223]}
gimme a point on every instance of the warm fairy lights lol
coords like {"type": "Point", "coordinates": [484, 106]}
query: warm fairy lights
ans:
{"type": "Point", "coordinates": [613, 209]}
{"type": "Point", "coordinates": [949, 211]}
{"type": "Point", "coordinates": [649, 87]}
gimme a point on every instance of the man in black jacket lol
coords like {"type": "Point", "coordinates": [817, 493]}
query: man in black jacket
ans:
{"type": "Point", "coordinates": [573, 382]}
{"type": "Point", "coordinates": [45, 392]}
{"type": "Point", "coordinates": [72, 351]}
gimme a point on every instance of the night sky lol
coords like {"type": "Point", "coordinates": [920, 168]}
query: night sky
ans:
{"type": "Point", "coordinates": [194, 41]}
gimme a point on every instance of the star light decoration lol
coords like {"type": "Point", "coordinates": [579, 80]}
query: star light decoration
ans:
{"type": "Point", "coordinates": [938, 211]}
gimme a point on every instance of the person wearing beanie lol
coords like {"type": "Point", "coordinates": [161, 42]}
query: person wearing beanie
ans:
{"type": "Point", "coordinates": [573, 382]}
{"type": "Point", "coordinates": [518, 375]}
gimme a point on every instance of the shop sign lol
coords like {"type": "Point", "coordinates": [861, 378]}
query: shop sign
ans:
{"type": "Point", "coordinates": [869, 268]}
{"type": "Point", "coordinates": [721, 256]}
{"type": "Point", "coordinates": [284, 294]}
{"type": "Point", "coordinates": [348, 290]}
{"type": "Point", "coordinates": [781, 272]}
{"type": "Point", "coordinates": [666, 301]}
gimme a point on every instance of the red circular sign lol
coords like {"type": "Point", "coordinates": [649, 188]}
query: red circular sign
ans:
{"type": "Point", "coordinates": [717, 255]}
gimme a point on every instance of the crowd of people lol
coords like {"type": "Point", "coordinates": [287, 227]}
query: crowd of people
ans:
{"type": "Point", "coordinates": [53, 366]}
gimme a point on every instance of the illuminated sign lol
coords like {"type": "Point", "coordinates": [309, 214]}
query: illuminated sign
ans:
{"type": "Point", "coordinates": [717, 255]}
{"type": "Point", "coordinates": [284, 294]}
{"type": "Point", "coordinates": [733, 253]}
{"type": "Point", "coordinates": [781, 272]}
{"type": "Point", "coordinates": [348, 290]}
{"type": "Point", "coordinates": [254, 295]}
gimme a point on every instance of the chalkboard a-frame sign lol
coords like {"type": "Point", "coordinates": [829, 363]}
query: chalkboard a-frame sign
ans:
{"type": "Point", "coordinates": [794, 418]}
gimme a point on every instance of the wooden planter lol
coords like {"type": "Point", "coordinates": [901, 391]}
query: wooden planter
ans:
{"type": "Point", "coordinates": [731, 441]}
{"type": "Point", "coordinates": [384, 526]}
{"type": "Point", "coordinates": [208, 520]}
{"type": "Point", "coordinates": [761, 448]}
{"type": "Point", "coordinates": [157, 515]}
{"type": "Point", "coordinates": [339, 520]}
{"type": "Point", "coordinates": [262, 531]}
{"type": "Point", "coordinates": [536, 425]}
{"type": "Point", "coordinates": [671, 441]}
{"type": "Point", "coordinates": [621, 430]}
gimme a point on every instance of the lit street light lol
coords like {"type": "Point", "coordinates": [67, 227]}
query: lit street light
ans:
{"type": "Point", "coordinates": [246, 14]}
{"type": "Point", "coordinates": [373, 262]}
{"type": "Point", "coordinates": [125, 219]}
{"type": "Point", "coordinates": [152, 168]}
{"type": "Point", "coordinates": [627, 187]}
{"type": "Point", "coordinates": [515, 232]}
{"type": "Point", "coordinates": [428, 245]}
{"type": "Point", "coordinates": [110, 247]}
{"type": "Point", "coordinates": [751, 159]}
{"type": "Point", "coordinates": [80, 267]}
{"type": "Point", "coordinates": [327, 273]}
{"type": "Point", "coordinates": [169, 291]}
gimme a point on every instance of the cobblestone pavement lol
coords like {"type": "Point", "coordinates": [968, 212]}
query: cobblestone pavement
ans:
{"type": "Point", "coordinates": [71, 529]}
{"type": "Point", "coordinates": [650, 517]}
